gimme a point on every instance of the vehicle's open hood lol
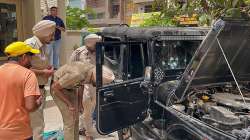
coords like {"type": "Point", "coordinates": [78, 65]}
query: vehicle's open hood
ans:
{"type": "Point", "coordinates": [208, 65]}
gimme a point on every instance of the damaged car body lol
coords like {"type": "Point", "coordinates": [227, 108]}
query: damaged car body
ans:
{"type": "Point", "coordinates": [203, 95]}
{"type": "Point", "coordinates": [128, 51]}
{"type": "Point", "coordinates": [211, 99]}
{"type": "Point", "coordinates": [214, 87]}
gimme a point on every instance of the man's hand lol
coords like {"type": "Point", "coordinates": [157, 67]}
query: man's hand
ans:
{"type": "Point", "coordinates": [60, 28]}
{"type": "Point", "coordinates": [32, 103]}
{"type": "Point", "coordinates": [50, 67]}
{"type": "Point", "coordinates": [72, 109]}
{"type": "Point", "coordinates": [39, 100]}
{"type": "Point", "coordinates": [58, 90]}
{"type": "Point", "coordinates": [48, 72]}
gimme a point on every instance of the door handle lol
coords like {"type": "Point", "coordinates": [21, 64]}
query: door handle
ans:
{"type": "Point", "coordinates": [108, 93]}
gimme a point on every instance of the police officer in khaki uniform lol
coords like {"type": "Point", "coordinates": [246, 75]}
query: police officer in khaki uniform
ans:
{"type": "Point", "coordinates": [43, 34]}
{"type": "Point", "coordinates": [66, 80]}
{"type": "Point", "coordinates": [87, 54]}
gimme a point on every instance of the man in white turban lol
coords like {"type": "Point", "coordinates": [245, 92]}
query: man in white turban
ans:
{"type": "Point", "coordinates": [43, 33]}
{"type": "Point", "coordinates": [87, 53]}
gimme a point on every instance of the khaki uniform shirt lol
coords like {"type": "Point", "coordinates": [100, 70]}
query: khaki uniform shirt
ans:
{"type": "Point", "coordinates": [83, 55]}
{"type": "Point", "coordinates": [72, 74]}
{"type": "Point", "coordinates": [39, 61]}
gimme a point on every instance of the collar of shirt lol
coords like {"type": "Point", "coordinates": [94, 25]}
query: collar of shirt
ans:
{"type": "Point", "coordinates": [39, 46]}
{"type": "Point", "coordinates": [84, 50]}
{"type": "Point", "coordinates": [37, 40]}
{"type": "Point", "coordinates": [50, 16]}
{"type": "Point", "coordinates": [89, 53]}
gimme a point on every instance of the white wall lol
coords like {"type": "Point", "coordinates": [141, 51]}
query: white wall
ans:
{"type": "Point", "coordinates": [141, 8]}
{"type": "Point", "coordinates": [69, 40]}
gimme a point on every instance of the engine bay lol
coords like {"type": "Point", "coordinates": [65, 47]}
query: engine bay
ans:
{"type": "Point", "coordinates": [222, 107]}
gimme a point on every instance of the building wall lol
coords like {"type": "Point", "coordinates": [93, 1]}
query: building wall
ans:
{"type": "Point", "coordinates": [75, 3]}
{"type": "Point", "coordinates": [96, 3]}
{"type": "Point", "coordinates": [31, 14]}
{"type": "Point", "coordinates": [71, 38]}
{"type": "Point", "coordinates": [127, 8]}
{"type": "Point", "coordinates": [135, 7]}
{"type": "Point", "coordinates": [104, 10]}
{"type": "Point", "coordinates": [130, 8]}
{"type": "Point", "coordinates": [46, 4]}
{"type": "Point", "coordinates": [27, 14]}
{"type": "Point", "coordinates": [142, 7]}
{"type": "Point", "coordinates": [61, 4]}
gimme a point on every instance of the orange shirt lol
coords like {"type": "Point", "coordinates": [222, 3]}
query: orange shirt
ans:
{"type": "Point", "coordinates": [16, 83]}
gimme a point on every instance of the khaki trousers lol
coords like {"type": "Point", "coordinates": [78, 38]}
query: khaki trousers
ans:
{"type": "Point", "coordinates": [37, 119]}
{"type": "Point", "coordinates": [70, 119]}
{"type": "Point", "coordinates": [89, 103]}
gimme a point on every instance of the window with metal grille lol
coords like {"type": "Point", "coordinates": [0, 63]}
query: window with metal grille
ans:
{"type": "Point", "coordinates": [115, 11]}
{"type": "Point", "coordinates": [148, 8]}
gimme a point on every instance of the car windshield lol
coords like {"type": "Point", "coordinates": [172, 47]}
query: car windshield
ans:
{"type": "Point", "coordinates": [171, 55]}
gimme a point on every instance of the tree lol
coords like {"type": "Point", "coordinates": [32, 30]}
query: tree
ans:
{"type": "Point", "coordinates": [76, 18]}
{"type": "Point", "coordinates": [158, 20]}
{"type": "Point", "coordinates": [167, 9]}
{"type": "Point", "coordinates": [207, 10]}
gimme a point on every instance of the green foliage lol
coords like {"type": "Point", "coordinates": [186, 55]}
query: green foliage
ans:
{"type": "Point", "coordinates": [247, 2]}
{"type": "Point", "coordinates": [205, 20]}
{"type": "Point", "coordinates": [76, 18]}
{"type": "Point", "coordinates": [158, 20]}
{"type": "Point", "coordinates": [93, 30]}
{"type": "Point", "coordinates": [207, 10]}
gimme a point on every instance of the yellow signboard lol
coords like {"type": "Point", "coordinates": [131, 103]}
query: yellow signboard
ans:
{"type": "Point", "coordinates": [138, 19]}
{"type": "Point", "coordinates": [187, 20]}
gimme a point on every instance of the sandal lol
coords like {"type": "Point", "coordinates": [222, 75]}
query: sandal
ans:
{"type": "Point", "coordinates": [82, 132]}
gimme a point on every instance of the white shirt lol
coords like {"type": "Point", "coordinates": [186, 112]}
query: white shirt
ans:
{"type": "Point", "coordinates": [39, 61]}
{"type": "Point", "coordinates": [35, 43]}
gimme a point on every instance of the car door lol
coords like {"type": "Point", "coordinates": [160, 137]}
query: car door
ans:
{"type": "Point", "coordinates": [125, 101]}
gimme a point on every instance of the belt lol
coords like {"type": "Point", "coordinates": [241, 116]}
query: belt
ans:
{"type": "Point", "coordinates": [41, 86]}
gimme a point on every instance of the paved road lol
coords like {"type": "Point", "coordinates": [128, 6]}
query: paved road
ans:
{"type": "Point", "coordinates": [53, 119]}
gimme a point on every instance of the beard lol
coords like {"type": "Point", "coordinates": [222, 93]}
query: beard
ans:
{"type": "Point", "coordinates": [28, 65]}
{"type": "Point", "coordinates": [48, 42]}
{"type": "Point", "coordinates": [91, 49]}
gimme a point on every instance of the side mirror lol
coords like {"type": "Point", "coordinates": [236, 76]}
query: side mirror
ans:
{"type": "Point", "coordinates": [148, 73]}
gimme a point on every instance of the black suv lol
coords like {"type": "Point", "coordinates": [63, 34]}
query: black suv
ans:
{"type": "Point", "coordinates": [176, 83]}
{"type": "Point", "coordinates": [128, 52]}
